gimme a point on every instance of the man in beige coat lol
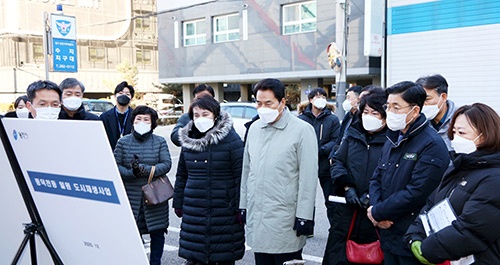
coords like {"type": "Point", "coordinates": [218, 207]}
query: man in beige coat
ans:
{"type": "Point", "coordinates": [279, 178]}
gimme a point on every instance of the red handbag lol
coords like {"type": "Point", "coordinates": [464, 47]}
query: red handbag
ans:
{"type": "Point", "coordinates": [370, 253]}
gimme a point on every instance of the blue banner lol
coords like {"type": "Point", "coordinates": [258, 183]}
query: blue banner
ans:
{"type": "Point", "coordinates": [84, 188]}
{"type": "Point", "coordinates": [64, 55]}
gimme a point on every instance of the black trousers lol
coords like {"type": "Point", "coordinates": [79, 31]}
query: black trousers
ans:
{"type": "Point", "coordinates": [391, 259]}
{"type": "Point", "coordinates": [276, 259]}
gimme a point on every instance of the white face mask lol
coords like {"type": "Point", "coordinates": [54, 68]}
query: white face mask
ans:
{"type": "Point", "coordinates": [319, 103]}
{"type": "Point", "coordinates": [397, 122]}
{"type": "Point", "coordinates": [22, 113]}
{"type": "Point", "coordinates": [431, 111]}
{"type": "Point", "coordinates": [47, 113]}
{"type": "Point", "coordinates": [142, 128]}
{"type": "Point", "coordinates": [346, 105]}
{"type": "Point", "coordinates": [268, 115]}
{"type": "Point", "coordinates": [371, 123]}
{"type": "Point", "coordinates": [462, 145]}
{"type": "Point", "coordinates": [204, 124]}
{"type": "Point", "coordinates": [72, 103]}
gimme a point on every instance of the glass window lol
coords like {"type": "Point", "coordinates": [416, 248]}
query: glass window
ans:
{"type": "Point", "coordinates": [236, 111]}
{"type": "Point", "coordinates": [195, 32]}
{"type": "Point", "coordinates": [300, 17]}
{"type": "Point", "coordinates": [143, 56]}
{"type": "Point", "coordinates": [96, 54]}
{"type": "Point", "coordinates": [250, 112]}
{"type": "Point", "coordinates": [226, 28]}
{"type": "Point", "coordinates": [38, 51]}
{"type": "Point", "coordinates": [142, 23]}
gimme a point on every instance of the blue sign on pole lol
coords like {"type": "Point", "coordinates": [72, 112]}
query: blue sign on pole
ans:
{"type": "Point", "coordinates": [64, 55]}
{"type": "Point", "coordinates": [64, 52]}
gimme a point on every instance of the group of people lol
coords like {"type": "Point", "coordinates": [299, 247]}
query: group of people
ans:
{"type": "Point", "coordinates": [397, 153]}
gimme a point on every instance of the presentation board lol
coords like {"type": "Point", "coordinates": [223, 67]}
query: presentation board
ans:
{"type": "Point", "coordinates": [73, 178]}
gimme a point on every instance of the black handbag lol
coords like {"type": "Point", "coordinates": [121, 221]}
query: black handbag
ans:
{"type": "Point", "coordinates": [158, 191]}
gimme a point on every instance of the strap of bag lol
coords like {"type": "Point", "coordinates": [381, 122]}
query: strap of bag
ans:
{"type": "Point", "coordinates": [352, 225]}
{"type": "Point", "coordinates": [151, 174]}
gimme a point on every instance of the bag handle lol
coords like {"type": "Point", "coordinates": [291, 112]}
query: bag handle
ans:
{"type": "Point", "coordinates": [352, 225]}
{"type": "Point", "coordinates": [151, 174]}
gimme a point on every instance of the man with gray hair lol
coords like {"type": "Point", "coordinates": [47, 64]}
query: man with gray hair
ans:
{"type": "Point", "coordinates": [72, 95]}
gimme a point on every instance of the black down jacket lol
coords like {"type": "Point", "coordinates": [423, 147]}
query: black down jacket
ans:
{"type": "Point", "coordinates": [472, 187]}
{"type": "Point", "coordinates": [327, 128]}
{"type": "Point", "coordinates": [207, 189]}
{"type": "Point", "coordinates": [356, 159]}
{"type": "Point", "coordinates": [152, 151]}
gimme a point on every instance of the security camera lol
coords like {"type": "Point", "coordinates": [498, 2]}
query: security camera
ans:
{"type": "Point", "coordinates": [245, 5]}
{"type": "Point", "coordinates": [173, 18]}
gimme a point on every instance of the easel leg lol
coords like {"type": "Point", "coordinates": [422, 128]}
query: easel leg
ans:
{"type": "Point", "coordinates": [29, 235]}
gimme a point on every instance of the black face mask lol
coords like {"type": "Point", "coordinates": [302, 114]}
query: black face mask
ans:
{"type": "Point", "coordinates": [123, 100]}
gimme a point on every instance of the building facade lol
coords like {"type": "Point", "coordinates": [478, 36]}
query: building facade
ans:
{"type": "Point", "coordinates": [458, 39]}
{"type": "Point", "coordinates": [242, 42]}
{"type": "Point", "coordinates": [109, 33]}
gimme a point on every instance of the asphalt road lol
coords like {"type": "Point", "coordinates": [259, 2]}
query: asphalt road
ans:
{"type": "Point", "coordinates": [313, 251]}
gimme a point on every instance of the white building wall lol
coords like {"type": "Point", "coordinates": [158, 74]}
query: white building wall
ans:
{"type": "Point", "coordinates": [468, 57]}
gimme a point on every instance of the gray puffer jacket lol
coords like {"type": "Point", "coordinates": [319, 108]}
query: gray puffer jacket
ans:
{"type": "Point", "coordinates": [151, 151]}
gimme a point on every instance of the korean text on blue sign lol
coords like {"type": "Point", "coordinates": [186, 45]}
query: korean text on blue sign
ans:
{"type": "Point", "coordinates": [84, 188]}
{"type": "Point", "coordinates": [64, 55]}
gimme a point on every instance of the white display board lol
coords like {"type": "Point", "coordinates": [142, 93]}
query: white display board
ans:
{"type": "Point", "coordinates": [73, 178]}
{"type": "Point", "coordinates": [15, 215]}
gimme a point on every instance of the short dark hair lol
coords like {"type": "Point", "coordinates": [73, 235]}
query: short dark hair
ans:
{"type": "Point", "coordinates": [275, 85]}
{"type": "Point", "coordinates": [203, 87]}
{"type": "Point", "coordinates": [437, 82]}
{"type": "Point", "coordinates": [145, 110]}
{"type": "Point", "coordinates": [315, 92]}
{"type": "Point", "coordinates": [205, 102]}
{"type": "Point", "coordinates": [71, 82]}
{"type": "Point", "coordinates": [23, 98]}
{"type": "Point", "coordinates": [39, 85]}
{"type": "Point", "coordinates": [485, 121]}
{"type": "Point", "coordinates": [369, 88]}
{"type": "Point", "coordinates": [355, 89]}
{"type": "Point", "coordinates": [376, 100]}
{"type": "Point", "coordinates": [124, 85]}
{"type": "Point", "coordinates": [412, 93]}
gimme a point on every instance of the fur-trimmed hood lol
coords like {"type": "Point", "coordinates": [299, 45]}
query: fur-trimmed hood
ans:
{"type": "Point", "coordinates": [221, 129]}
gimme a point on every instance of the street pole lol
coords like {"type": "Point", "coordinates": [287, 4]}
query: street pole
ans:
{"type": "Point", "coordinates": [341, 9]}
{"type": "Point", "coordinates": [46, 43]}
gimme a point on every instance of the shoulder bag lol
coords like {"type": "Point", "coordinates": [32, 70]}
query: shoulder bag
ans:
{"type": "Point", "coordinates": [158, 191]}
{"type": "Point", "coordinates": [370, 253]}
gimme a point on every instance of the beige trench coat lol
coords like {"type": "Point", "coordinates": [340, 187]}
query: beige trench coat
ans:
{"type": "Point", "coordinates": [278, 182]}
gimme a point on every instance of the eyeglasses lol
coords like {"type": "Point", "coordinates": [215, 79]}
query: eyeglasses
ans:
{"type": "Point", "coordinates": [395, 109]}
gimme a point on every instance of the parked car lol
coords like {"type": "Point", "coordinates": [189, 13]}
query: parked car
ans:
{"type": "Point", "coordinates": [97, 106]}
{"type": "Point", "coordinates": [241, 113]}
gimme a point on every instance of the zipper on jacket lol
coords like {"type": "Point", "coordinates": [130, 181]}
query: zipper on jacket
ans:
{"type": "Point", "coordinates": [321, 132]}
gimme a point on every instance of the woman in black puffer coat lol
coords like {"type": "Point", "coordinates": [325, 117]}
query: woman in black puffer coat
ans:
{"type": "Point", "coordinates": [353, 165]}
{"type": "Point", "coordinates": [207, 187]}
{"type": "Point", "coordinates": [472, 187]}
{"type": "Point", "coordinates": [135, 155]}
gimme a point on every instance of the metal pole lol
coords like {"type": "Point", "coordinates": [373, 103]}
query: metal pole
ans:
{"type": "Point", "coordinates": [341, 40]}
{"type": "Point", "coordinates": [46, 30]}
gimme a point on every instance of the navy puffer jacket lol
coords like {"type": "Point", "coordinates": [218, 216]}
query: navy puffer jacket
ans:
{"type": "Point", "coordinates": [207, 189]}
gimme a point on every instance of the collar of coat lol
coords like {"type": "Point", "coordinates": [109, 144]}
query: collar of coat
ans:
{"type": "Point", "coordinates": [415, 128]}
{"type": "Point", "coordinates": [213, 136]}
{"type": "Point", "coordinates": [281, 123]}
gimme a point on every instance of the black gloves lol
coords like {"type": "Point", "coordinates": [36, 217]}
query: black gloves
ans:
{"type": "Point", "coordinates": [137, 168]}
{"type": "Point", "coordinates": [242, 216]}
{"type": "Point", "coordinates": [365, 200]}
{"type": "Point", "coordinates": [351, 198]}
{"type": "Point", "coordinates": [304, 227]}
